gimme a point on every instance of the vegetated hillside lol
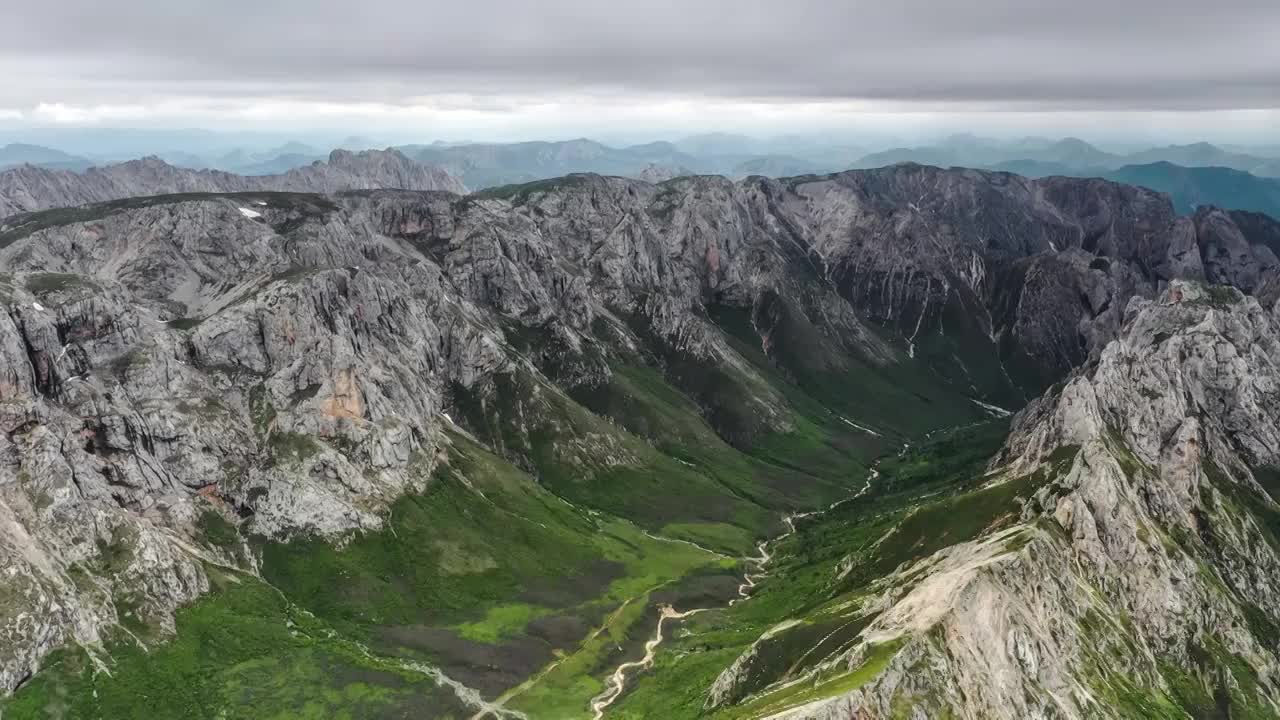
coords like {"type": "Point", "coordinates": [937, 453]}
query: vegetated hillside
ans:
{"type": "Point", "coordinates": [391, 452]}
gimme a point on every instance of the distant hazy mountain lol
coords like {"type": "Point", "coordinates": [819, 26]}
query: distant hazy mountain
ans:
{"type": "Point", "coordinates": [969, 151]}
{"type": "Point", "coordinates": [28, 188]}
{"type": "Point", "coordinates": [1190, 187]}
{"type": "Point", "coordinates": [16, 154]}
{"type": "Point", "coordinates": [482, 165]}
{"type": "Point", "coordinates": [242, 161]}
{"type": "Point", "coordinates": [183, 159]}
{"type": "Point", "coordinates": [1073, 152]}
{"type": "Point", "coordinates": [1042, 168]}
{"type": "Point", "coordinates": [279, 164]}
{"type": "Point", "coordinates": [1267, 151]}
{"type": "Point", "coordinates": [774, 166]}
{"type": "Point", "coordinates": [296, 148]}
{"type": "Point", "coordinates": [489, 164]}
{"type": "Point", "coordinates": [110, 145]}
{"type": "Point", "coordinates": [359, 142]}
{"type": "Point", "coordinates": [1069, 156]}
{"type": "Point", "coordinates": [1208, 155]}
{"type": "Point", "coordinates": [925, 155]}
{"type": "Point", "coordinates": [721, 144]}
{"type": "Point", "coordinates": [1194, 155]}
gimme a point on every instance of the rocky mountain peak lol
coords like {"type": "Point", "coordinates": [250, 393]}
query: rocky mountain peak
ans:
{"type": "Point", "coordinates": [28, 189]}
{"type": "Point", "coordinates": [340, 156]}
{"type": "Point", "coordinates": [349, 158]}
{"type": "Point", "coordinates": [204, 390]}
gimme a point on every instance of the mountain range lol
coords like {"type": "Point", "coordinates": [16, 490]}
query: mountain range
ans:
{"type": "Point", "coordinates": [29, 188]}
{"type": "Point", "coordinates": [482, 165]}
{"type": "Point", "coordinates": [489, 165]}
{"type": "Point", "coordinates": [1188, 187]}
{"type": "Point", "coordinates": [17, 154]}
{"type": "Point", "coordinates": [599, 447]}
{"type": "Point", "coordinates": [1192, 187]}
{"type": "Point", "coordinates": [1070, 154]}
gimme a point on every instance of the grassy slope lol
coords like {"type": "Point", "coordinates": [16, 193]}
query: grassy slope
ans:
{"type": "Point", "coordinates": [479, 559]}
{"type": "Point", "coordinates": [484, 554]}
{"type": "Point", "coordinates": [592, 462]}
{"type": "Point", "coordinates": [928, 498]}
{"type": "Point", "coordinates": [899, 400]}
{"type": "Point", "coordinates": [242, 652]}
{"type": "Point", "coordinates": [640, 399]}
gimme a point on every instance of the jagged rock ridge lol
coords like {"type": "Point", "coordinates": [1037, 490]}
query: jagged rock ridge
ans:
{"type": "Point", "coordinates": [1139, 580]}
{"type": "Point", "coordinates": [289, 357]}
{"type": "Point", "coordinates": [29, 188]}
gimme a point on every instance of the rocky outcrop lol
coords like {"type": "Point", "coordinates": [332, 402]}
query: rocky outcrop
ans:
{"type": "Point", "coordinates": [1240, 249]}
{"type": "Point", "coordinates": [1141, 580]}
{"type": "Point", "coordinates": [29, 188]}
{"type": "Point", "coordinates": [282, 364]}
{"type": "Point", "coordinates": [939, 258]}
{"type": "Point", "coordinates": [182, 365]}
{"type": "Point", "coordinates": [656, 173]}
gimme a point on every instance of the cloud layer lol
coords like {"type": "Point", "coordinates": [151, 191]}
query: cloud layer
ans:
{"type": "Point", "coordinates": [507, 68]}
{"type": "Point", "coordinates": [1084, 54]}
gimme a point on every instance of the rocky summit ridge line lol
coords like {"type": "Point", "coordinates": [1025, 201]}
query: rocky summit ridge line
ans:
{"type": "Point", "coordinates": [29, 188]}
{"type": "Point", "coordinates": [202, 381]}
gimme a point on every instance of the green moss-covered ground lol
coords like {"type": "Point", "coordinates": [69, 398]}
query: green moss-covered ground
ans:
{"type": "Point", "coordinates": [241, 652]}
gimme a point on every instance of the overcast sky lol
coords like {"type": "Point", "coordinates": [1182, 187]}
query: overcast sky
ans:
{"type": "Point", "coordinates": [495, 68]}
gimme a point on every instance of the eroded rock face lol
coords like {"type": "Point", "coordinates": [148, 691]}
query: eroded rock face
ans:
{"type": "Point", "coordinates": [1142, 561]}
{"type": "Point", "coordinates": [1239, 249]}
{"type": "Point", "coordinates": [284, 362]}
{"type": "Point", "coordinates": [184, 363]}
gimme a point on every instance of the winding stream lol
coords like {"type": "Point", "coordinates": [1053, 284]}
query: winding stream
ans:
{"type": "Point", "coordinates": [617, 682]}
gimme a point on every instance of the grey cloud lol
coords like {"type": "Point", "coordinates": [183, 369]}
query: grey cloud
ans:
{"type": "Point", "coordinates": [1080, 54]}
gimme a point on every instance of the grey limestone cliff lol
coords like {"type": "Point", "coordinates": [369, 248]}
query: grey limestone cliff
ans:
{"type": "Point", "coordinates": [284, 363]}
{"type": "Point", "coordinates": [1141, 578]}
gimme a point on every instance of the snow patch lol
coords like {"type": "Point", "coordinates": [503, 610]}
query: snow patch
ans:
{"type": "Point", "coordinates": [37, 306]}
{"type": "Point", "coordinates": [250, 213]}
